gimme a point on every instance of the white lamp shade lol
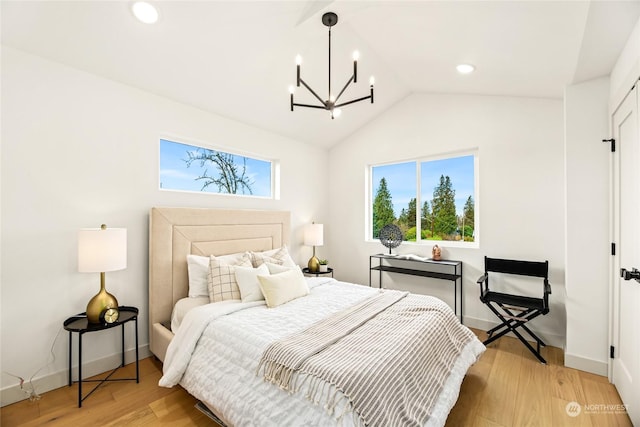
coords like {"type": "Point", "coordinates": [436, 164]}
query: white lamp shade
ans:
{"type": "Point", "coordinates": [313, 235]}
{"type": "Point", "coordinates": [101, 250]}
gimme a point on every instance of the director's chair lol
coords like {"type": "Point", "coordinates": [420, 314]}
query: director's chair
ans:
{"type": "Point", "coordinates": [505, 305]}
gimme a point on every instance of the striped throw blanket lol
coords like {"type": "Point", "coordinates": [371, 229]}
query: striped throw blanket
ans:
{"type": "Point", "coordinates": [388, 356]}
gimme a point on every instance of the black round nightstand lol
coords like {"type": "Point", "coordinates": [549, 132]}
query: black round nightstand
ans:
{"type": "Point", "coordinates": [318, 273]}
{"type": "Point", "coordinates": [81, 325]}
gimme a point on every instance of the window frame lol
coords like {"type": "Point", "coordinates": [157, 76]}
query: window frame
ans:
{"type": "Point", "coordinates": [274, 167]}
{"type": "Point", "coordinates": [418, 161]}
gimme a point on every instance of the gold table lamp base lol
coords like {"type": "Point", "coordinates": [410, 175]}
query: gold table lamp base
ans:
{"type": "Point", "coordinates": [101, 301]}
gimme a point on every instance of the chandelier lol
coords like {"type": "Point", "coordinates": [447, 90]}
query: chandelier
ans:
{"type": "Point", "coordinates": [332, 104]}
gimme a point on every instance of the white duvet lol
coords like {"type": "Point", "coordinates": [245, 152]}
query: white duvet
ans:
{"type": "Point", "coordinates": [215, 355]}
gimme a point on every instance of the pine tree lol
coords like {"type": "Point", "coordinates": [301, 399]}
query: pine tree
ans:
{"type": "Point", "coordinates": [469, 217]}
{"type": "Point", "coordinates": [444, 208]}
{"type": "Point", "coordinates": [411, 213]}
{"type": "Point", "coordinates": [382, 208]}
{"type": "Point", "coordinates": [402, 219]}
{"type": "Point", "coordinates": [426, 219]}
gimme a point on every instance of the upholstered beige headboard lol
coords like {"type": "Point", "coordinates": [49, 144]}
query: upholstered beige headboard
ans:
{"type": "Point", "coordinates": [176, 232]}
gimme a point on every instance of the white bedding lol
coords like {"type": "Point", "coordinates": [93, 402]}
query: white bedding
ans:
{"type": "Point", "coordinates": [215, 355]}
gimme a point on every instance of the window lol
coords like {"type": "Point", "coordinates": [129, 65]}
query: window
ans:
{"type": "Point", "coordinates": [429, 199]}
{"type": "Point", "coordinates": [192, 168]}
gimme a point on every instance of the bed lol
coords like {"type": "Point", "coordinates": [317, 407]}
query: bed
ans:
{"type": "Point", "coordinates": [222, 352]}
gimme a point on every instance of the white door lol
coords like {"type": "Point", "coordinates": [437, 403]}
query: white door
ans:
{"type": "Point", "coordinates": [626, 290]}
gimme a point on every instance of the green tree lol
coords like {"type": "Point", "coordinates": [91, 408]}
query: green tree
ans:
{"type": "Point", "coordinates": [231, 178]}
{"type": "Point", "coordinates": [468, 215]}
{"type": "Point", "coordinates": [426, 219]}
{"type": "Point", "coordinates": [407, 218]}
{"type": "Point", "coordinates": [411, 213]}
{"type": "Point", "coordinates": [403, 220]}
{"type": "Point", "coordinates": [443, 205]}
{"type": "Point", "coordinates": [382, 208]}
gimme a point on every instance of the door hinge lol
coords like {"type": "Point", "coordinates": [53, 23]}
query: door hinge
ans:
{"type": "Point", "coordinates": [612, 352]}
{"type": "Point", "coordinates": [613, 249]}
{"type": "Point", "coordinates": [613, 144]}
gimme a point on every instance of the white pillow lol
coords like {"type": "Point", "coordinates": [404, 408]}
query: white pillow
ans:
{"type": "Point", "coordinates": [198, 269]}
{"type": "Point", "coordinates": [284, 287]}
{"type": "Point", "coordinates": [182, 307]}
{"type": "Point", "coordinates": [222, 279]}
{"type": "Point", "coordinates": [277, 268]}
{"type": "Point", "coordinates": [281, 254]}
{"type": "Point", "coordinates": [247, 278]}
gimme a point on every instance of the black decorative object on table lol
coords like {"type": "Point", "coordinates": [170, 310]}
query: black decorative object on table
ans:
{"type": "Point", "coordinates": [391, 236]}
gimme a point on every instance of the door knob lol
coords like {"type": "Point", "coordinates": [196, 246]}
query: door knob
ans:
{"type": "Point", "coordinates": [628, 275]}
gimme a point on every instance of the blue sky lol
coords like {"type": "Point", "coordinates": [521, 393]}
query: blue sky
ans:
{"type": "Point", "coordinates": [175, 175]}
{"type": "Point", "coordinates": [401, 180]}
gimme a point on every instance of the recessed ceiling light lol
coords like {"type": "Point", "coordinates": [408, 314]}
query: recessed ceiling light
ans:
{"type": "Point", "coordinates": [465, 68]}
{"type": "Point", "coordinates": [145, 12]}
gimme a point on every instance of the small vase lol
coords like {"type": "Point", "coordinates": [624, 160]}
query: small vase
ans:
{"type": "Point", "coordinates": [436, 253]}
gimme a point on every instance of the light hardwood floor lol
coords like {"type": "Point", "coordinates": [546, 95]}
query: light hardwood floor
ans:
{"type": "Point", "coordinates": [506, 387]}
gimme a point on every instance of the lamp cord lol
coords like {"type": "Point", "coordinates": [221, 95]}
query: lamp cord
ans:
{"type": "Point", "coordinates": [31, 393]}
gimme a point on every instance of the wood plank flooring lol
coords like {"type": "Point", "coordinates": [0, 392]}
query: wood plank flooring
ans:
{"type": "Point", "coordinates": [506, 387]}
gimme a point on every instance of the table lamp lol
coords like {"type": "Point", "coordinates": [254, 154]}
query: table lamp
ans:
{"type": "Point", "coordinates": [100, 250]}
{"type": "Point", "coordinates": [313, 236]}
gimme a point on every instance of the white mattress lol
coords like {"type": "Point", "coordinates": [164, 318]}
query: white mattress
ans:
{"type": "Point", "coordinates": [215, 355]}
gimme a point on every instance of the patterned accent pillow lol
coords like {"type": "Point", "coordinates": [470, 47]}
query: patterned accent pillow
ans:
{"type": "Point", "coordinates": [278, 256]}
{"type": "Point", "coordinates": [260, 258]}
{"type": "Point", "coordinates": [222, 279]}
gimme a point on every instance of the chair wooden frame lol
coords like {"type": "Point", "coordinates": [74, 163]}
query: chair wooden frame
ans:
{"type": "Point", "coordinates": [505, 305]}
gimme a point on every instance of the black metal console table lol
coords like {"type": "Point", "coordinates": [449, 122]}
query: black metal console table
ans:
{"type": "Point", "coordinates": [445, 269]}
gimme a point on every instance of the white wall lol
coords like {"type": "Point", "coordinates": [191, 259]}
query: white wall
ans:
{"type": "Point", "coordinates": [588, 110]}
{"type": "Point", "coordinates": [627, 69]}
{"type": "Point", "coordinates": [587, 233]}
{"type": "Point", "coordinates": [521, 200]}
{"type": "Point", "coordinates": [77, 151]}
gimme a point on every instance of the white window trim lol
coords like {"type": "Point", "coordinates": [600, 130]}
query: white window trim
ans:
{"type": "Point", "coordinates": [369, 187]}
{"type": "Point", "coordinates": [275, 167]}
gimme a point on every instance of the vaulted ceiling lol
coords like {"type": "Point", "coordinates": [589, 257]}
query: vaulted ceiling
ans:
{"type": "Point", "coordinates": [237, 58]}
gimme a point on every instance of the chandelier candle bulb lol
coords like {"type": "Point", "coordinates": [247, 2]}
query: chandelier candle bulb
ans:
{"type": "Point", "coordinates": [356, 56]}
{"type": "Point", "coordinates": [371, 82]}
{"type": "Point", "coordinates": [291, 94]}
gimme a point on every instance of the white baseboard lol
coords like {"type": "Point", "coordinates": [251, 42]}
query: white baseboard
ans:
{"type": "Point", "coordinates": [13, 394]}
{"type": "Point", "coordinates": [585, 364]}
{"type": "Point", "coordinates": [570, 360]}
{"type": "Point", "coordinates": [549, 338]}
